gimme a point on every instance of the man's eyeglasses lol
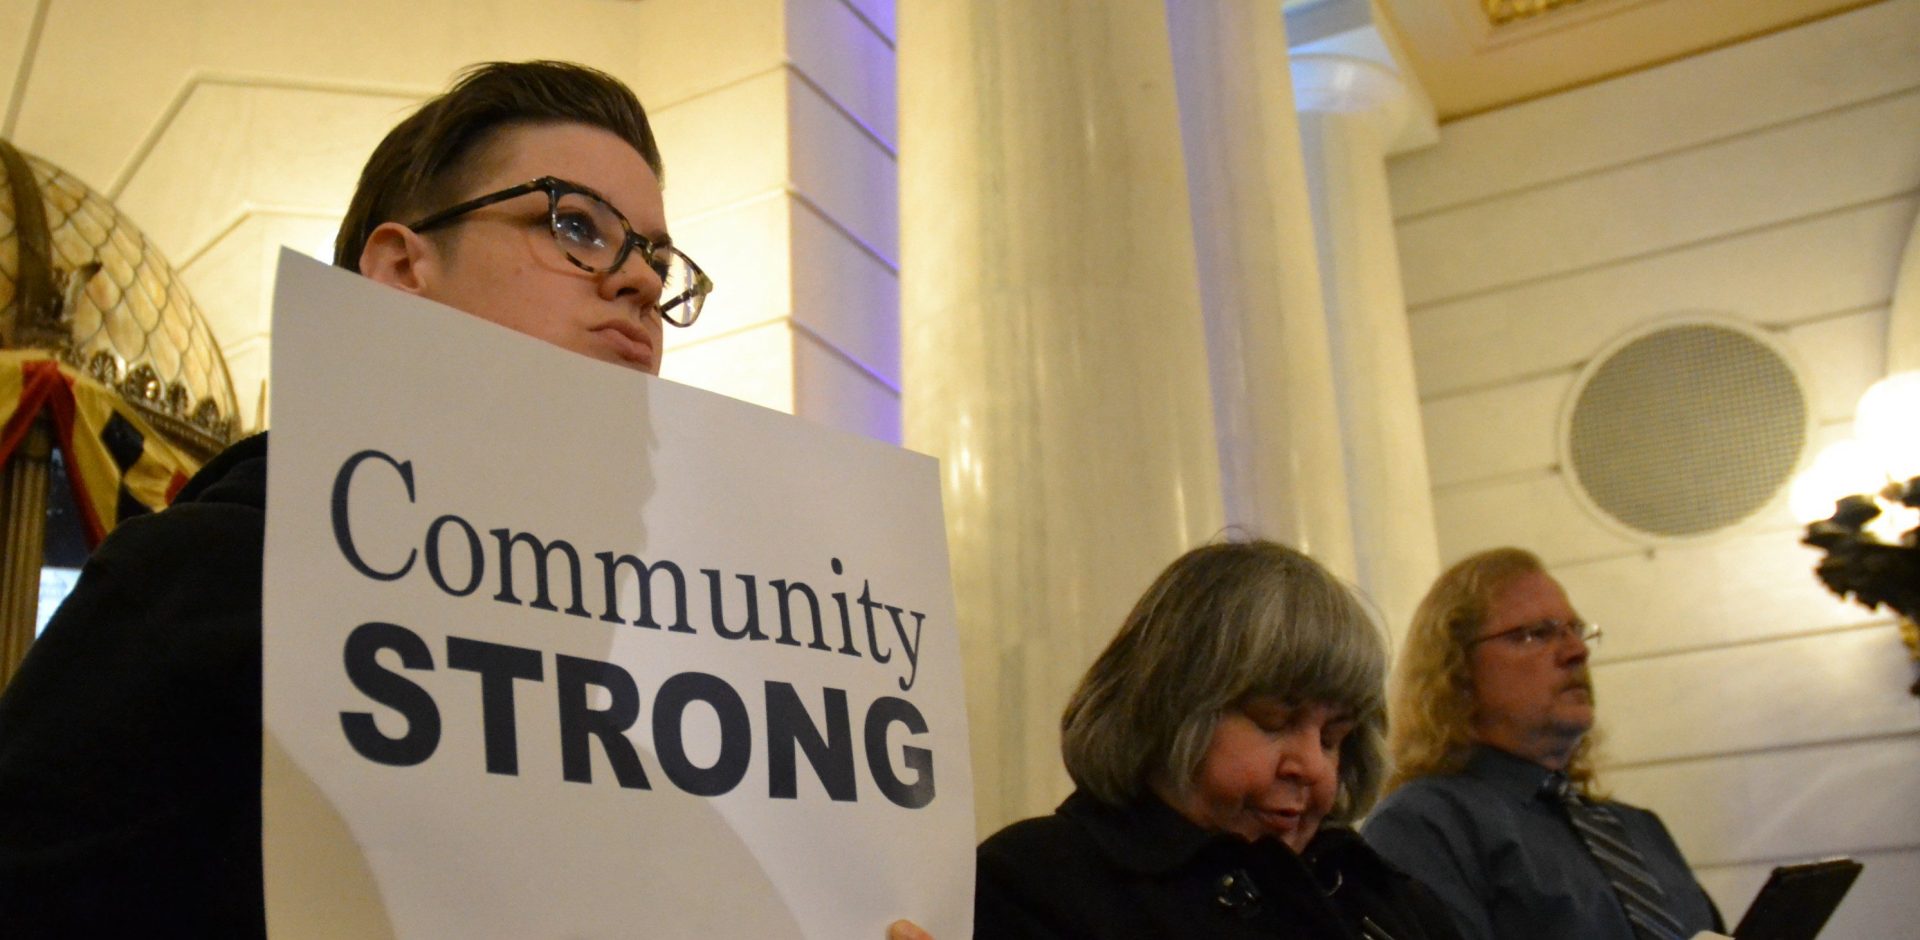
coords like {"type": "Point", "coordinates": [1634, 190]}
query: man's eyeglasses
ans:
{"type": "Point", "coordinates": [597, 239]}
{"type": "Point", "coordinates": [1544, 634]}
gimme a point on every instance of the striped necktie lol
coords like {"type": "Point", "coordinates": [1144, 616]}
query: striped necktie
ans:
{"type": "Point", "coordinates": [1606, 840]}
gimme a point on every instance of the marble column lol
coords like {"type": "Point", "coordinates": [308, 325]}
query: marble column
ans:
{"type": "Point", "coordinates": [1353, 110]}
{"type": "Point", "coordinates": [1903, 315]}
{"type": "Point", "coordinates": [1274, 404]}
{"type": "Point", "coordinates": [1053, 353]}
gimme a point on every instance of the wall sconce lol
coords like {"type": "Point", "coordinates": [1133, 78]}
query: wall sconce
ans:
{"type": "Point", "coordinates": [1872, 484]}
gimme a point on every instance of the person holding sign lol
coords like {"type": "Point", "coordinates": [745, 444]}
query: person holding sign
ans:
{"type": "Point", "coordinates": [1220, 744]}
{"type": "Point", "coordinates": [130, 742]}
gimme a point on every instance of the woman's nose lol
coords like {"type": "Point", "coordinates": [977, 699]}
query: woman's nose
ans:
{"type": "Point", "coordinates": [1305, 758]}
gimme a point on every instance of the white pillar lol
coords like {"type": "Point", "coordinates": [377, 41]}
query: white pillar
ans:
{"type": "Point", "coordinates": [1053, 354]}
{"type": "Point", "coordinates": [1352, 110]}
{"type": "Point", "coordinates": [1903, 317]}
{"type": "Point", "coordinates": [1273, 386]}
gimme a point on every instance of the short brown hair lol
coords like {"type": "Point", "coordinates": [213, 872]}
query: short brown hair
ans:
{"type": "Point", "coordinates": [423, 162]}
{"type": "Point", "coordinates": [1223, 623]}
{"type": "Point", "coordinates": [1430, 707]}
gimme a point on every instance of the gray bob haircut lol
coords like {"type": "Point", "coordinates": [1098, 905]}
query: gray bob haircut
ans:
{"type": "Point", "coordinates": [1224, 623]}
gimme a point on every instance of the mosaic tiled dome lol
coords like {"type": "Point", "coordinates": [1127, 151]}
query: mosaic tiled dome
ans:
{"type": "Point", "coordinates": [79, 280]}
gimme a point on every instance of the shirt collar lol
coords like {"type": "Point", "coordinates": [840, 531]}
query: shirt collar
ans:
{"type": "Point", "coordinates": [1511, 775]}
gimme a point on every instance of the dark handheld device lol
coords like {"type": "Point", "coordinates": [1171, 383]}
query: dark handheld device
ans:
{"type": "Point", "coordinates": [1797, 900]}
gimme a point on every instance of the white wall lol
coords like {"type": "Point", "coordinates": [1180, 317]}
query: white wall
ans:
{"type": "Point", "coordinates": [1772, 182]}
{"type": "Point", "coordinates": [225, 128]}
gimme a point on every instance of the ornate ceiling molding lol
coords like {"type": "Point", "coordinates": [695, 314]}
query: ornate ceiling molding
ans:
{"type": "Point", "coordinates": [1502, 12]}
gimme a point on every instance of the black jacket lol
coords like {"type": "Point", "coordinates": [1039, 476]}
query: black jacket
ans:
{"type": "Point", "coordinates": [1143, 871]}
{"type": "Point", "coordinates": [130, 738]}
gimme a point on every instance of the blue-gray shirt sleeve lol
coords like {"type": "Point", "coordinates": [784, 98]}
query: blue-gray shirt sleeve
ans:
{"type": "Point", "coordinates": [1419, 829]}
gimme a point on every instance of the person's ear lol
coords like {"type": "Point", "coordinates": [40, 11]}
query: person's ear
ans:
{"type": "Point", "coordinates": [398, 257]}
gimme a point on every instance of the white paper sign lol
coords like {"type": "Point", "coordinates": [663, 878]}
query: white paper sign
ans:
{"type": "Point", "coordinates": [478, 723]}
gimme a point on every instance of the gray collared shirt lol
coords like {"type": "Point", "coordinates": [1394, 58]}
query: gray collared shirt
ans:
{"type": "Point", "coordinates": [1507, 864]}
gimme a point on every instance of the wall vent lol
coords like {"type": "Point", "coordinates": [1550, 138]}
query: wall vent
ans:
{"type": "Point", "coordinates": [1684, 429]}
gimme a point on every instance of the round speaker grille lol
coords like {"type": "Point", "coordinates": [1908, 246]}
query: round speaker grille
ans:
{"type": "Point", "coordinates": [1687, 429]}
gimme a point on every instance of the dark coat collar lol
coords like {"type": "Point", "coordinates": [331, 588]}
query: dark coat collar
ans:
{"type": "Point", "coordinates": [1150, 837]}
{"type": "Point", "coordinates": [1145, 836]}
{"type": "Point", "coordinates": [236, 475]}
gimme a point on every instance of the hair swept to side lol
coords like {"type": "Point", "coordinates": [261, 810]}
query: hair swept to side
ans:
{"type": "Point", "coordinates": [1430, 702]}
{"type": "Point", "coordinates": [425, 161]}
{"type": "Point", "coordinates": [1222, 623]}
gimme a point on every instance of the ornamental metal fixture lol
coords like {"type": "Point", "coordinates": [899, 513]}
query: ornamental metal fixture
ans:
{"type": "Point", "coordinates": [80, 282]}
{"type": "Point", "coordinates": [1872, 572]}
{"type": "Point", "coordinates": [107, 370]}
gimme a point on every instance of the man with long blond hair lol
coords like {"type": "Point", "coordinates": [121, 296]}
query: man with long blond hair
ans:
{"type": "Point", "coordinates": [1492, 801]}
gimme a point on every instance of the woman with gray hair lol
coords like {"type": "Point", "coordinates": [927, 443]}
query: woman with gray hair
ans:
{"type": "Point", "coordinates": [1220, 745]}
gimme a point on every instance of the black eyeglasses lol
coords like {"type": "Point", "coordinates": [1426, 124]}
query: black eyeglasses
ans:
{"type": "Point", "coordinates": [1544, 633]}
{"type": "Point", "coordinates": [597, 239]}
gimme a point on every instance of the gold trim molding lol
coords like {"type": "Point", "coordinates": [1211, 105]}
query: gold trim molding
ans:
{"type": "Point", "coordinates": [1502, 12]}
